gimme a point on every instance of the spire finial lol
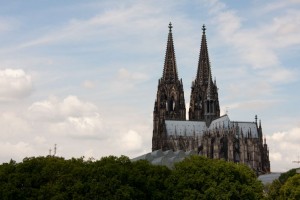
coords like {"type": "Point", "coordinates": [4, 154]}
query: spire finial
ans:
{"type": "Point", "coordinates": [259, 123]}
{"type": "Point", "coordinates": [203, 28]}
{"type": "Point", "coordinates": [170, 27]}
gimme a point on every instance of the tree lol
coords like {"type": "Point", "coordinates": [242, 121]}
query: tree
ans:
{"type": "Point", "coordinates": [202, 178]}
{"type": "Point", "coordinates": [291, 188]}
{"type": "Point", "coordinates": [272, 190]}
{"type": "Point", "coordinates": [118, 178]}
{"type": "Point", "coordinates": [287, 186]}
{"type": "Point", "coordinates": [284, 176]}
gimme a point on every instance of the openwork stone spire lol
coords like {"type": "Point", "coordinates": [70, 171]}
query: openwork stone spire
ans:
{"type": "Point", "coordinates": [169, 103]}
{"type": "Point", "coordinates": [170, 68]}
{"type": "Point", "coordinates": [203, 64]}
{"type": "Point", "coordinates": [204, 102]}
{"type": "Point", "coordinates": [209, 91]}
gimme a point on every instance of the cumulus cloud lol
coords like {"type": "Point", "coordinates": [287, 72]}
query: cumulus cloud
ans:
{"type": "Point", "coordinates": [18, 150]}
{"type": "Point", "coordinates": [13, 124]}
{"type": "Point", "coordinates": [284, 149]}
{"type": "Point", "coordinates": [69, 116]}
{"type": "Point", "coordinates": [131, 141]}
{"type": "Point", "coordinates": [14, 84]}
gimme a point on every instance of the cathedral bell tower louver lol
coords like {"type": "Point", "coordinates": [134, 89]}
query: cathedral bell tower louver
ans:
{"type": "Point", "coordinates": [169, 103]}
{"type": "Point", "coordinates": [204, 101]}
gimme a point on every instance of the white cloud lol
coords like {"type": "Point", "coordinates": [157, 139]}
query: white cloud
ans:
{"type": "Point", "coordinates": [275, 156]}
{"type": "Point", "coordinates": [69, 116]}
{"type": "Point", "coordinates": [14, 84]}
{"type": "Point", "coordinates": [13, 125]}
{"type": "Point", "coordinates": [286, 29]}
{"type": "Point", "coordinates": [131, 141]}
{"type": "Point", "coordinates": [248, 43]}
{"type": "Point", "coordinates": [85, 127]}
{"type": "Point", "coordinates": [71, 106]}
{"type": "Point", "coordinates": [284, 148]}
{"type": "Point", "coordinates": [260, 46]}
{"type": "Point", "coordinates": [39, 139]}
{"type": "Point", "coordinates": [16, 151]}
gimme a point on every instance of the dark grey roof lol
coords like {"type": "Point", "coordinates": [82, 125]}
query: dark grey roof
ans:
{"type": "Point", "coordinates": [268, 178]}
{"type": "Point", "coordinates": [165, 158]}
{"type": "Point", "coordinates": [185, 128]}
{"type": "Point", "coordinates": [197, 128]}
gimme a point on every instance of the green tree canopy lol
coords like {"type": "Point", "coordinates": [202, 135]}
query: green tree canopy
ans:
{"type": "Point", "coordinates": [287, 186]}
{"type": "Point", "coordinates": [57, 178]}
{"type": "Point", "coordinates": [202, 178]}
{"type": "Point", "coordinates": [119, 178]}
{"type": "Point", "coordinates": [291, 188]}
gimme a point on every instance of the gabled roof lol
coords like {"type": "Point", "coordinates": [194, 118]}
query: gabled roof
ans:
{"type": "Point", "coordinates": [197, 128]}
{"type": "Point", "coordinates": [185, 128]}
{"type": "Point", "coordinates": [222, 121]}
{"type": "Point", "coordinates": [248, 129]}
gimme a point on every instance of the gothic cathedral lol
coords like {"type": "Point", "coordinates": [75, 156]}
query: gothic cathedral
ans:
{"type": "Point", "coordinates": [206, 132]}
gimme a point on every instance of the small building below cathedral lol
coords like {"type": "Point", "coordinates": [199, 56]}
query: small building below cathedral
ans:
{"type": "Point", "coordinates": [206, 132]}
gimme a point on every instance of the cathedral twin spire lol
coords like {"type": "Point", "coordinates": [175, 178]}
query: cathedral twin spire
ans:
{"type": "Point", "coordinates": [170, 68]}
{"type": "Point", "coordinates": [170, 103]}
{"type": "Point", "coordinates": [204, 71]}
{"type": "Point", "coordinates": [170, 112]}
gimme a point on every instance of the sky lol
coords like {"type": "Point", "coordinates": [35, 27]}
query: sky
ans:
{"type": "Point", "coordinates": [84, 74]}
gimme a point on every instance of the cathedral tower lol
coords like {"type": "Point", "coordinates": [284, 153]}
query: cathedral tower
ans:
{"type": "Point", "coordinates": [169, 103]}
{"type": "Point", "coordinates": [204, 101]}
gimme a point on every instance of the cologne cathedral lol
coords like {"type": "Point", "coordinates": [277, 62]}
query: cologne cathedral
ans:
{"type": "Point", "coordinates": [205, 132]}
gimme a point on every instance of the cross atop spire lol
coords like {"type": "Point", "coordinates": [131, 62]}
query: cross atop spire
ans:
{"type": "Point", "coordinates": [170, 27]}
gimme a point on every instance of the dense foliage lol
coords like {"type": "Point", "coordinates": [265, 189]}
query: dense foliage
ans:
{"type": "Point", "coordinates": [57, 178]}
{"type": "Point", "coordinates": [201, 178]}
{"type": "Point", "coordinates": [287, 186]}
{"type": "Point", "coordinates": [119, 178]}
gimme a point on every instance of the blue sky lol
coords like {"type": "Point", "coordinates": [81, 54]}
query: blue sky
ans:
{"type": "Point", "coordinates": [83, 74]}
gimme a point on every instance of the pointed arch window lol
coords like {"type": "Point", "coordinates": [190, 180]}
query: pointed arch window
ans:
{"type": "Point", "coordinates": [172, 104]}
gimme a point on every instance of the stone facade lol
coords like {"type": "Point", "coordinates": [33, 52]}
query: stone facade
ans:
{"type": "Point", "coordinates": [206, 132]}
